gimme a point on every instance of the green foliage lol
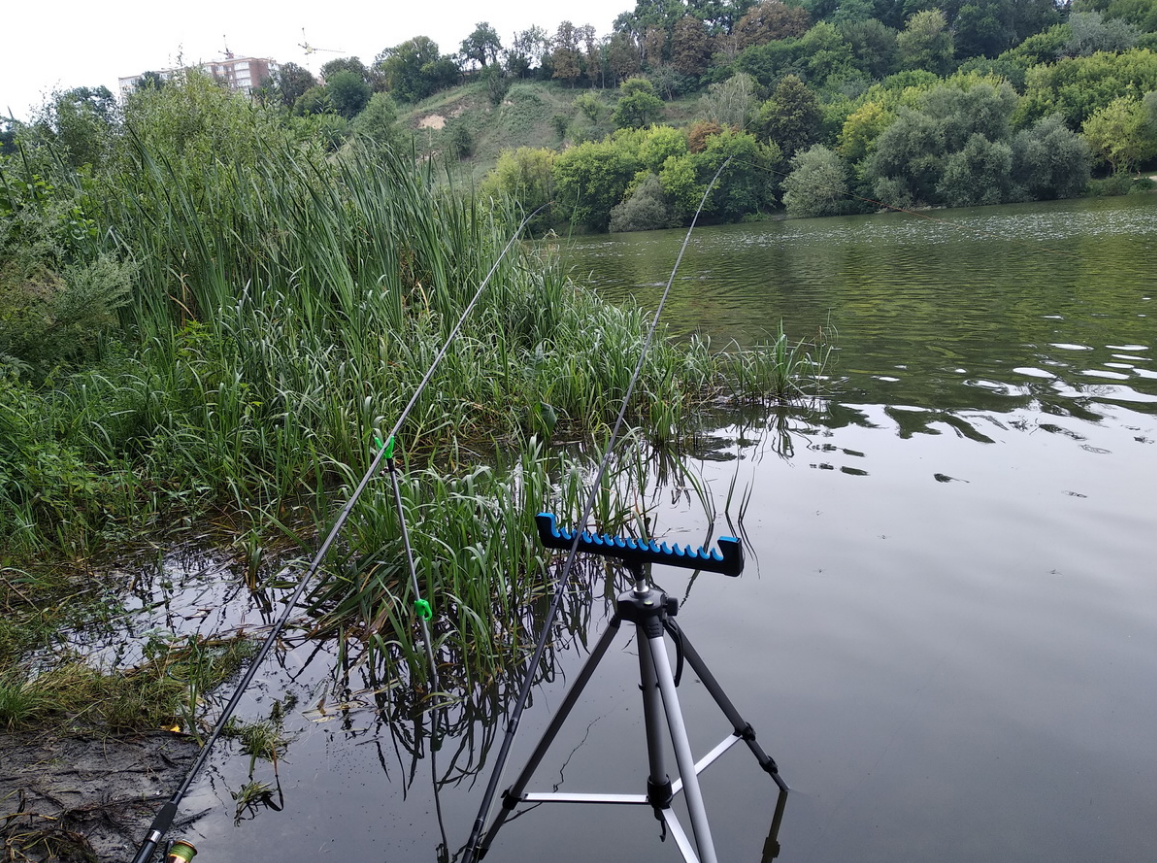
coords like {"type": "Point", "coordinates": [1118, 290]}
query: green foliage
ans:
{"type": "Point", "coordinates": [497, 84]}
{"type": "Point", "coordinates": [927, 155]}
{"type": "Point", "coordinates": [378, 122]}
{"type": "Point", "coordinates": [348, 93]}
{"type": "Point", "coordinates": [926, 43]}
{"type": "Point", "coordinates": [730, 102]}
{"type": "Point", "coordinates": [817, 184]}
{"type": "Point", "coordinates": [461, 142]}
{"type": "Point", "coordinates": [591, 178]}
{"type": "Point", "coordinates": [873, 46]}
{"type": "Point", "coordinates": [414, 70]}
{"type": "Point", "coordinates": [1078, 87]}
{"type": "Point", "coordinates": [1090, 33]}
{"type": "Point", "coordinates": [591, 106]}
{"type": "Point", "coordinates": [525, 178]}
{"type": "Point", "coordinates": [1123, 133]}
{"type": "Point", "coordinates": [345, 64]}
{"type": "Point", "coordinates": [791, 117]}
{"type": "Point", "coordinates": [314, 101]}
{"type": "Point", "coordinates": [561, 123]}
{"type": "Point", "coordinates": [77, 123]}
{"type": "Point", "coordinates": [482, 46]}
{"type": "Point", "coordinates": [646, 209]}
{"type": "Point", "coordinates": [291, 82]}
{"type": "Point", "coordinates": [983, 29]}
{"type": "Point", "coordinates": [638, 106]}
{"type": "Point", "coordinates": [1049, 161]}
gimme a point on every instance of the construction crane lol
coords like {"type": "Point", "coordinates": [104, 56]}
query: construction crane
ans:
{"type": "Point", "coordinates": [309, 49]}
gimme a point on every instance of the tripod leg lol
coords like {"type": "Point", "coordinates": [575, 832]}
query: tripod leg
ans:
{"type": "Point", "coordinates": [658, 782]}
{"type": "Point", "coordinates": [512, 795]}
{"type": "Point", "coordinates": [742, 728]}
{"type": "Point", "coordinates": [683, 756]}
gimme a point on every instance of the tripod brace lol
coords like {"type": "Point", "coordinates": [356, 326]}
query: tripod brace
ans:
{"type": "Point", "coordinates": [652, 613]}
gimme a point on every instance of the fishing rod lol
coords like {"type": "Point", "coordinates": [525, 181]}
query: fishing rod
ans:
{"type": "Point", "coordinates": [164, 818]}
{"type": "Point", "coordinates": [472, 850]}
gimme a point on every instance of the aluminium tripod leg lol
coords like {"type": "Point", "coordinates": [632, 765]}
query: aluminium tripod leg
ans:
{"type": "Point", "coordinates": [683, 756]}
{"type": "Point", "coordinates": [741, 727]}
{"type": "Point", "coordinates": [512, 795]}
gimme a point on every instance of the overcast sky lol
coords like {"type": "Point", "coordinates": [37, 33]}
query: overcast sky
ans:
{"type": "Point", "coordinates": [73, 44]}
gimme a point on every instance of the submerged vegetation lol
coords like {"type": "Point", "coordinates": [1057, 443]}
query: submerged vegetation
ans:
{"type": "Point", "coordinates": [218, 316]}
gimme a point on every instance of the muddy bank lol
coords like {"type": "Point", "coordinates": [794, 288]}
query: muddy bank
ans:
{"type": "Point", "coordinates": [84, 798]}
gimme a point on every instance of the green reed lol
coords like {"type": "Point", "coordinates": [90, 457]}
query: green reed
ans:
{"type": "Point", "coordinates": [284, 312]}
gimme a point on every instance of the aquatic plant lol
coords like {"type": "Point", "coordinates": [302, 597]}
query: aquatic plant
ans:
{"type": "Point", "coordinates": [285, 305]}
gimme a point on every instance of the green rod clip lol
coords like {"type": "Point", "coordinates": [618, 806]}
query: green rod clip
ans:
{"type": "Point", "coordinates": [388, 447]}
{"type": "Point", "coordinates": [423, 610]}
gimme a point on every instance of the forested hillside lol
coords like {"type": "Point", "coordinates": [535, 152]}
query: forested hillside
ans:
{"type": "Point", "coordinates": [823, 107]}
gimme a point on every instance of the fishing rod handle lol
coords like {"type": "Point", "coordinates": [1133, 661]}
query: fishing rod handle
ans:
{"type": "Point", "coordinates": [726, 559]}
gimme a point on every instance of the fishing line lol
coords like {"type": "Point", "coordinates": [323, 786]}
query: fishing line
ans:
{"type": "Point", "coordinates": [164, 818]}
{"type": "Point", "coordinates": [471, 847]}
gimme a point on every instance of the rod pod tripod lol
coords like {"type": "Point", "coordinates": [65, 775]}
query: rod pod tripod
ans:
{"type": "Point", "coordinates": [651, 611]}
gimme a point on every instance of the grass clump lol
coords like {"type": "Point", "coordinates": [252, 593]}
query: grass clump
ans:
{"type": "Point", "coordinates": [166, 691]}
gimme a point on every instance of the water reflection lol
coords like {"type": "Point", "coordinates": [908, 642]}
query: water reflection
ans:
{"type": "Point", "coordinates": [949, 605]}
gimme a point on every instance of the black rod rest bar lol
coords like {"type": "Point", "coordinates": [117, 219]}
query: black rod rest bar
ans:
{"type": "Point", "coordinates": [727, 559]}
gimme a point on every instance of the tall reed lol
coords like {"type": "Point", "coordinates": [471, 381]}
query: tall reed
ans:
{"type": "Point", "coordinates": [284, 311]}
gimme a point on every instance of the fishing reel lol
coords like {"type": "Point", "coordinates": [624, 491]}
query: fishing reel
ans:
{"type": "Point", "coordinates": [180, 851]}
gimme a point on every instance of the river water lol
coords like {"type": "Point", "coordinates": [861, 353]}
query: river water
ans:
{"type": "Point", "coordinates": [946, 634]}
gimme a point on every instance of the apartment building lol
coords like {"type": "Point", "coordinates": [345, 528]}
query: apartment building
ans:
{"type": "Point", "coordinates": [240, 74]}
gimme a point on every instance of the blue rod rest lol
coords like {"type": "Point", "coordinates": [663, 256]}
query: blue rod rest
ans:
{"type": "Point", "coordinates": [727, 559]}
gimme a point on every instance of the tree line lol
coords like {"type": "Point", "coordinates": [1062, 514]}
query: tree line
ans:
{"type": "Point", "coordinates": [840, 107]}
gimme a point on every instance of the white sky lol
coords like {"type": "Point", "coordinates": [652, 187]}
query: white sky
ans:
{"type": "Point", "coordinates": [74, 44]}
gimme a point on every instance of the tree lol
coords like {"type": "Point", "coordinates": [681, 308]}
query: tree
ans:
{"type": "Point", "coordinates": [482, 46]}
{"type": "Point", "coordinates": [591, 178]}
{"type": "Point", "coordinates": [526, 51]}
{"type": "Point", "coordinates": [149, 81]}
{"type": "Point", "coordinates": [1049, 161]}
{"type": "Point", "coordinates": [9, 128]}
{"type": "Point", "coordinates": [690, 46]}
{"type": "Point", "coordinates": [769, 21]}
{"type": "Point", "coordinates": [791, 117]}
{"type": "Point", "coordinates": [414, 70]}
{"type": "Point", "coordinates": [348, 93]}
{"type": "Point", "coordinates": [565, 57]}
{"type": "Point", "coordinates": [978, 173]}
{"type": "Point", "coordinates": [523, 176]}
{"type": "Point", "coordinates": [591, 106]}
{"type": "Point", "coordinates": [1078, 87]}
{"type": "Point", "coordinates": [730, 102]}
{"type": "Point", "coordinates": [926, 43]}
{"type": "Point", "coordinates": [623, 56]}
{"type": "Point", "coordinates": [80, 122]}
{"type": "Point", "coordinates": [638, 106]}
{"type": "Point", "coordinates": [817, 184]}
{"type": "Point", "coordinates": [291, 81]}
{"type": "Point", "coordinates": [345, 64]}
{"type": "Point", "coordinates": [313, 102]}
{"type": "Point", "coordinates": [825, 54]}
{"type": "Point", "coordinates": [873, 46]}
{"type": "Point", "coordinates": [645, 209]}
{"type": "Point", "coordinates": [983, 28]}
{"type": "Point", "coordinates": [378, 122]}
{"type": "Point", "coordinates": [958, 131]}
{"type": "Point", "coordinates": [1122, 133]}
{"type": "Point", "coordinates": [1092, 33]}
